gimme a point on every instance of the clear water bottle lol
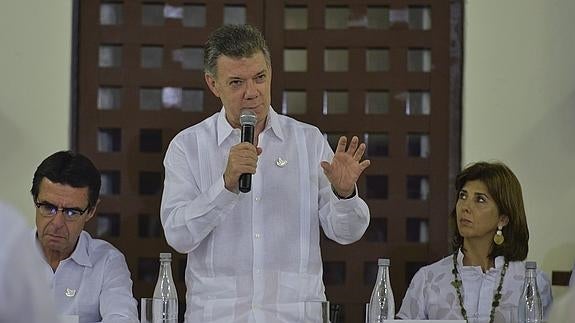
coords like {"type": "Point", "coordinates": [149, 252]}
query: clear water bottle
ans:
{"type": "Point", "coordinates": [529, 307]}
{"type": "Point", "coordinates": [381, 304]}
{"type": "Point", "coordinates": [165, 295]}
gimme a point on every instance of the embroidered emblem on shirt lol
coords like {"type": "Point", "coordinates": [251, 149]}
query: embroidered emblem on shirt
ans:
{"type": "Point", "coordinates": [281, 162]}
{"type": "Point", "coordinates": [70, 292]}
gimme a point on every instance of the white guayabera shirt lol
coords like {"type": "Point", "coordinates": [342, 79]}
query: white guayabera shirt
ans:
{"type": "Point", "coordinates": [254, 257]}
{"type": "Point", "coordinates": [431, 295]}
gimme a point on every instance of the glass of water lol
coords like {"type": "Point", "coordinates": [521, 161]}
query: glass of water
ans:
{"type": "Point", "coordinates": [366, 312]}
{"type": "Point", "coordinates": [317, 312]}
{"type": "Point", "coordinates": [153, 310]}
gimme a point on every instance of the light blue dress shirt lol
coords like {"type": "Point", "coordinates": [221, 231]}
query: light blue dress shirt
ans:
{"type": "Point", "coordinates": [93, 283]}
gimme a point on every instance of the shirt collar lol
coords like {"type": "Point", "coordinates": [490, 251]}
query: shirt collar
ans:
{"type": "Point", "coordinates": [499, 260]}
{"type": "Point", "coordinates": [273, 123]}
{"type": "Point", "coordinates": [224, 129]}
{"type": "Point", "coordinates": [80, 253]}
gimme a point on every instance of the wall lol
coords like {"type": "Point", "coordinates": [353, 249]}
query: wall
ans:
{"type": "Point", "coordinates": [519, 107]}
{"type": "Point", "coordinates": [34, 91]}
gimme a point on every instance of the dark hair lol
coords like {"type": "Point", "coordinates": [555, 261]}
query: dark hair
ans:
{"type": "Point", "coordinates": [505, 189]}
{"type": "Point", "coordinates": [236, 41]}
{"type": "Point", "coordinates": [69, 168]}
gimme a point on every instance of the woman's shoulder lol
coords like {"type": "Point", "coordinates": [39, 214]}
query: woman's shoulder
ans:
{"type": "Point", "coordinates": [517, 271]}
{"type": "Point", "coordinates": [519, 267]}
{"type": "Point", "coordinates": [441, 265]}
{"type": "Point", "coordinates": [436, 271]}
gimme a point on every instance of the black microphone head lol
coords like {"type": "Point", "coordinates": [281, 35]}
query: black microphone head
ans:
{"type": "Point", "coordinates": [248, 117]}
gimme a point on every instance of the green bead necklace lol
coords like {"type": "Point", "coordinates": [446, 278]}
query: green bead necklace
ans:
{"type": "Point", "coordinates": [457, 283]}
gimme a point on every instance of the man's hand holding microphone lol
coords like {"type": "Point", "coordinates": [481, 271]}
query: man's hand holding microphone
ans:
{"type": "Point", "coordinates": [243, 158]}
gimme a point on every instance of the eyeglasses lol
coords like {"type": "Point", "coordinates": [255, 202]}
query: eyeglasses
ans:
{"type": "Point", "coordinates": [50, 210]}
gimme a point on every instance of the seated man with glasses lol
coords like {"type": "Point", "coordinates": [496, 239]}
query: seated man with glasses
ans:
{"type": "Point", "coordinates": [88, 277]}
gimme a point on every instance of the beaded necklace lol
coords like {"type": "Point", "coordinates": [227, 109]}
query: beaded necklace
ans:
{"type": "Point", "coordinates": [457, 283]}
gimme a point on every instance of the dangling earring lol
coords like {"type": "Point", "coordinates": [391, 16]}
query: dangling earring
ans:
{"type": "Point", "coordinates": [498, 238]}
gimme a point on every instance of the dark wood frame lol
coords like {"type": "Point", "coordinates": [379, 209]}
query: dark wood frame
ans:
{"type": "Point", "coordinates": [446, 40]}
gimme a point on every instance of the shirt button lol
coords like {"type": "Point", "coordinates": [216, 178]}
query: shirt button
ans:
{"type": "Point", "coordinates": [257, 199]}
{"type": "Point", "coordinates": [257, 235]}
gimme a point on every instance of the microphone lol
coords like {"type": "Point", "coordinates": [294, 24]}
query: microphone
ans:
{"type": "Point", "coordinates": [248, 121]}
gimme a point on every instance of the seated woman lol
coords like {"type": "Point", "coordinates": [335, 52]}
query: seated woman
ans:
{"type": "Point", "coordinates": [483, 279]}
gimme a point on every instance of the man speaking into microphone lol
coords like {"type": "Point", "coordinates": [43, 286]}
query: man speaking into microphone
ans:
{"type": "Point", "coordinates": [247, 190]}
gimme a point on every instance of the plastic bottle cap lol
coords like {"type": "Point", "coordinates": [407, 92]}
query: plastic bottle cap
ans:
{"type": "Point", "coordinates": [383, 262]}
{"type": "Point", "coordinates": [530, 265]}
{"type": "Point", "coordinates": [165, 255]}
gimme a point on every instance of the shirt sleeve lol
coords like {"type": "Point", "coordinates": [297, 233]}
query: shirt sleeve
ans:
{"type": "Point", "coordinates": [544, 285]}
{"type": "Point", "coordinates": [117, 305]}
{"type": "Point", "coordinates": [188, 214]}
{"type": "Point", "coordinates": [413, 304]}
{"type": "Point", "coordinates": [563, 308]}
{"type": "Point", "coordinates": [343, 220]}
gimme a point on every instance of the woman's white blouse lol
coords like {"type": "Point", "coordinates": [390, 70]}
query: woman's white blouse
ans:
{"type": "Point", "coordinates": [432, 296]}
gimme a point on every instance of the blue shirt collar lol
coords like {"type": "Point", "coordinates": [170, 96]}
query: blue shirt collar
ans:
{"type": "Point", "coordinates": [80, 253]}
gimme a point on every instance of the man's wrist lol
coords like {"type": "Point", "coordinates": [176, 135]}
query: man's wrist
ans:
{"type": "Point", "coordinates": [231, 188]}
{"type": "Point", "coordinates": [343, 197]}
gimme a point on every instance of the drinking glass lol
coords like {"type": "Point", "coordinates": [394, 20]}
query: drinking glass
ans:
{"type": "Point", "coordinates": [366, 312]}
{"type": "Point", "coordinates": [151, 310]}
{"type": "Point", "coordinates": [316, 312]}
{"type": "Point", "coordinates": [147, 309]}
